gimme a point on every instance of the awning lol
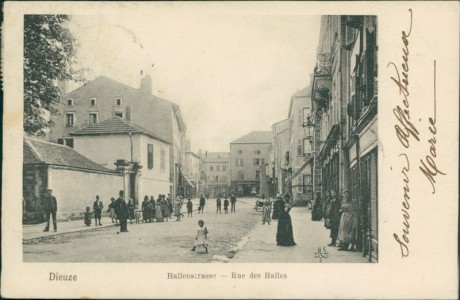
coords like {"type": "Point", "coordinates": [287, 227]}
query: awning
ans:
{"type": "Point", "coordinates": [297, 173]}
{"type": "Point", "coordinates": [188, 181]}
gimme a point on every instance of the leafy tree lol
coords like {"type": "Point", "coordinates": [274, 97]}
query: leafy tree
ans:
{"type": "Point", "coordinates": [49, 57]}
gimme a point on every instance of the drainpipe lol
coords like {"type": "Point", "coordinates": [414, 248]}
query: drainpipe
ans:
{"type": "Point", "coordinates": [131, 141]}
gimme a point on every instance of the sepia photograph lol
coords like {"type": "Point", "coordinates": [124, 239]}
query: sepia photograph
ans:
{"type": "Point", "coordinates": [230, 149]}
{"type": "Point", "coordinates": [151, 147]}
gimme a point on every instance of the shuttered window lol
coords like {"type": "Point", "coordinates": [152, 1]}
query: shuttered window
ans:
{"type": "Point", "coordinates": [150, 156]}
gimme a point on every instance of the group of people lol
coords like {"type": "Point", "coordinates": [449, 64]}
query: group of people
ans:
{"type": "Point", "coordinates": [159, 210]}
{"type": "Point", "coordinates": [340, 216]}
{"type": "Point", "coordinates": [219, 204]}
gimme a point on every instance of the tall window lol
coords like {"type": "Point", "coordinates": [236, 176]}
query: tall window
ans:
{"type": "Point", "coordinates": [92, 118]}
{"type": "Point", "coordinates": [262, 161]}
{"type": "Point", "coordinates": [162, 160]}
{"type": "Point", "coordinates": [218, 168]}
{"type": "Point", "coordinates": [70, 119]}
{"type": "Point", "coordinates": [118, 101]}
{"type": "Point", "coordinates": [307, 184]}
{"type": "Point", "coordinates": [256, 162]}
{"type": "Point", "coordinates": [92, 101]}
{"type": "Point", "coordinates": [69, 102]}
{"type": "Point", "coordinates": [224, 168]}
{"type": "Point", "coordinates": [211, 168]}
{"type": "Point", "coordinates": [150, 156]}
{"type": "Point", "coordinates": [300, 184]}
{"type": "Point", "coordinates": [217, 179]}
{"type": "Point", "coordinates": [299, 147]}
{"type": "Point", "coordinates": [257, 174]}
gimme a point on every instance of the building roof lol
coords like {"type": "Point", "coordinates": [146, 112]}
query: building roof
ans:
{"type": "Point", "coordinates": [303, 93]}
{"type": "Point", "coordinates": [115, 125]}
{"type": "Point", "coordinates": [41, 152]}
{"type": "Point", "coordinates": [255, 137]}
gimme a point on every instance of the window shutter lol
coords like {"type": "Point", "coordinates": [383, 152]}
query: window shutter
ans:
{"type": "Point", "coordinates": [150, 156]}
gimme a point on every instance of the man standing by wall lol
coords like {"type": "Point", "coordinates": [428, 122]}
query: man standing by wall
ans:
{"type": "Point", "coordinates": [202, 204]}
{"type": "Point", "coordinates": [334, 217]}
{"type": "Point", "coordinates": [97, 208]}
{"type": "Point", "coordinates": [50, 208]}
{"type": "Point", "coordinates": [121, 209]}
{"type": "Point", "coordinates": [232, 202]}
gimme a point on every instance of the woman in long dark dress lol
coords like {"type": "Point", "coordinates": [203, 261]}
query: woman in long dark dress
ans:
{"type": "Point", "coordinates": [285, 235]}
{"type": "Point", "coordinates": [317, 214]}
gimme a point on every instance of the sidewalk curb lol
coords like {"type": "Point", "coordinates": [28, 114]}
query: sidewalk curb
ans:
{"type": "Point", "coordinates": [68, 232]}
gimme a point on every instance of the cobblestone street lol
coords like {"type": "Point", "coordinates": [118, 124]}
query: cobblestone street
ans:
{"type": "Point", "coordinates": [238, 237]}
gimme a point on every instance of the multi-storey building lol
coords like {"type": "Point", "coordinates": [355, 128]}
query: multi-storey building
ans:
{"type": "Point", "coordinates": [344, 117]}
{"type": "Point", "coordinates": [104, 98]}
{"type": "Point", "coordinates": [247, 155]}
{"type": "Point", "coordinates": [195, 168]}
{"type": "Point", "coordinates": [299, 183]}
{"type": "Point", "coordinates": [217, 166]}
{"type": "Point", "coordinates": [279, 148]}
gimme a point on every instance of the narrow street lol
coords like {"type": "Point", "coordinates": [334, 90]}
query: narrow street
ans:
{"type": "Point", "coordinates": [234, 238]}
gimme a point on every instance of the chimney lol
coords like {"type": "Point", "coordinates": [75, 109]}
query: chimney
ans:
{"type": "Point", "coordinates": [146, 84]}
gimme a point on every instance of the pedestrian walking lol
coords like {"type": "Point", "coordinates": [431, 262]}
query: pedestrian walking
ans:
{"type": "Point", "coordinates": [165, 209]}
{"type": "Point", "coordinates": [266, 212]}
{"type": "Point", "coordinates": [121, 209]}
{"type": "Point", "coordinates": [348, 228]}
{"type": "Point", "coordinates": [226, 203]}
{"type": "Point", "coordinates": [202, 204]}
{"type": "Point", "coordinates": [50, 208]}
{"type": "Point", "coordinates": [219, 205]}
{"type": "Point", "coordinates": [334, 217]}
{"type": "Point", "coordinates": [169, 202]}
{"type": "Point", "coordinates": [285, 234]}
{"type": "Point", "coordinates": [131, 208]}
{"type": "Point", "coordinates": [201, 237]}
{"type": "Point", "coordinates": [88, 216]}
{"type": "Point", "coordinates": [98, 206]}
{"type": "Point", "coordinates": [111, 210]}
{"type": "Point", "coordinates": [189, 208]}
{"type": "Point", "coordinates": [233, 203]}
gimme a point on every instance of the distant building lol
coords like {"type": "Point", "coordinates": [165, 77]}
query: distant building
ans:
{"type": "Point", "coordinates": [299, 182]}
{"type": "Point", "coordinates": [217, 166]}
{"type": "Point", "coordinates": [74, 179]}
{"type": "Point", "coordinates": [195, 168]}
{"type": "Point", "coordinates": [104, 98]}
{"type": "Point", "coordinates": [142, 155]}
{"type": "Point", "coordinates": [247, 154]}
{"type": "Point", "coordinates": [278, 163]}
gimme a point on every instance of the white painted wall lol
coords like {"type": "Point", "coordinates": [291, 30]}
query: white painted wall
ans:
{"type": "Point", "coordinates": [75, 190]}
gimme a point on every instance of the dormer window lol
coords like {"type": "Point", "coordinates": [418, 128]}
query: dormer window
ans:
{"type": "Point", "coordinates": [92, 101]}
{"type": "Point", "coordinates": [69, 102]}
{"type": "Point", "coordinates": [118, 101]}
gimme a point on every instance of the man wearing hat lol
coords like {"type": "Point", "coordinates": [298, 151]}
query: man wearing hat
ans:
{"type": "Point", "coordinates": [50, 208]}
{"type": "Point", "coordinates": [334, 217]}
{"type": "Point", "coordinates": [121, 210]}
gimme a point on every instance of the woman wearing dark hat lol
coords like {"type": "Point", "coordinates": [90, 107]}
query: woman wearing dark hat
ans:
{"type": "Point", "coordinates": [285, 235]}
{"type": "Point", "coordinates": [278, 207]}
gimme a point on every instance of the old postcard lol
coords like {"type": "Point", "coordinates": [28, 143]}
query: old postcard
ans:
{"type": "Point", "coordinates": [256, 150]}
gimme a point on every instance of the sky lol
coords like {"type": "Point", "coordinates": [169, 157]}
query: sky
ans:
{"type": "Point", "coordinates": [231, 74]}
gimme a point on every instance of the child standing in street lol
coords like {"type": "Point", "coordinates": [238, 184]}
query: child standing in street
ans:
{"type": "Point", "coordinates": [189, 208]}
{"type": "Point", "coordinates": [226, 205]}
{"type": "Point", "coordinates": [88, 216]}
{"type": "Point", "coordinates": [201, 237]}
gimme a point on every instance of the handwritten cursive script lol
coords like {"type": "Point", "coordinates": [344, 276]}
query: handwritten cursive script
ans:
{"type": "Point", "coordinates": [428, 164]}
{"type": "Point", "coordinates": [405, 130]}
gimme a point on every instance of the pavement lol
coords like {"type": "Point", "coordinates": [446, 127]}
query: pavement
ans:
{"type": "Point", "coordinates": [35, 231]}
{"type": "Point", "coordinates": [310, 236]}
